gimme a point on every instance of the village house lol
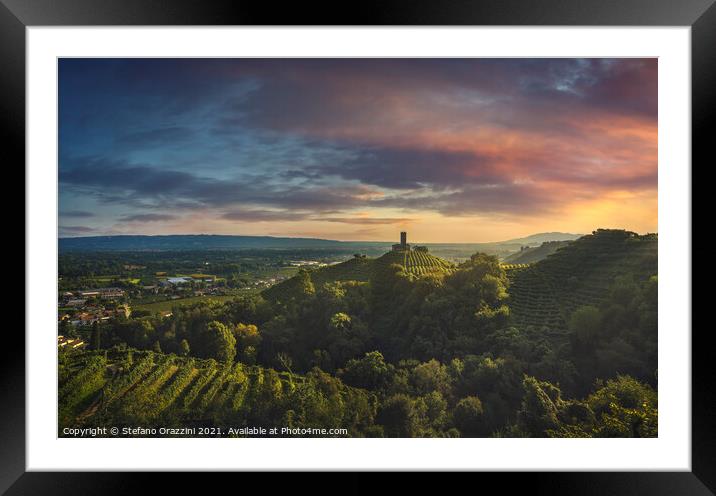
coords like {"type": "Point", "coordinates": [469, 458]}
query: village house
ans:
{"type": "Point", "coordinates": [75, 302]}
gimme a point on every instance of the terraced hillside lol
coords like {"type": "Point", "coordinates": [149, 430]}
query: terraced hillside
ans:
{"type": "Point", "coordinates": [415, 262]}
{"type": "Point", "coordinates": [546, 293]}
{"type": "Point", "coordinates": [131, 388]}
{"type": "Point", "coordinates": [360, 269]}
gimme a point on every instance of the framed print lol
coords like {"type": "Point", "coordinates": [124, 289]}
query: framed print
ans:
{"type": "Point", "coordinates": [420, 239]}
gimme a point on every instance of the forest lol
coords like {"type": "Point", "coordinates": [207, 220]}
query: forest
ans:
{"type": "Point", "coordinates": [403, 345]}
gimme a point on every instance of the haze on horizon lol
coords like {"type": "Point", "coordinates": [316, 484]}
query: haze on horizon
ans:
{"type": "Point", "coordinates": [450, 150]}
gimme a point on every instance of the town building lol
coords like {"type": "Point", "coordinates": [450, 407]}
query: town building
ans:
{"type": "Point", "coordinates": [103, 293]}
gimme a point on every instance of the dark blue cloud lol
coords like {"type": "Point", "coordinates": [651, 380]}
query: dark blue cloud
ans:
{"type": "Point", "coordinates": [410, 168]}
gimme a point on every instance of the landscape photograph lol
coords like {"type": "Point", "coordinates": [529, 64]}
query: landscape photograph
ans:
{"type": "Point", "coordinates": [357, 247]}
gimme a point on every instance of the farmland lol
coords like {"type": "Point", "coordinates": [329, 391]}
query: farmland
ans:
{"type": "Point", "coordinates": [167, 305]}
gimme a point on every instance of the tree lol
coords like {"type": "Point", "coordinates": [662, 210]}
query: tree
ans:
{"type": "Point", "coordinates": [248, 355]}
{"type": "Point", "coordinates": [399, 417]}
{"type": "Point", "coordinates": [585, 324]}
{"type": "Point", "coordinates": [285, 360]}
{"type": "Point", "coordinates": [218, 342]}
{"type": "Point", "coordinates": [430, 376]}
{"type": "Point", "coordinates": [340, 322]}
{"type": "Point", "coordinates": [468, 417]}
{"type": "Point", "coordinates": [370, 372]}
{"type": "Point", "coordinates": [96, 338]}
{"type": "Point", "coordinates": [66, 329]}
{"type": "Point", "coordinates": [539, 410]}
{"type": "Point", "coordinates": [435, 409]}
{"type": "Point", "coordinates": [184, 345]}
{"type": "Point", "coordinates": [156, 347]}
{"type": "Point", "coordinates": [305, 285]}
{"type": "Point", "coordinates": [625, 408]}
{"type": "Point", "coordinates": [247, 335]}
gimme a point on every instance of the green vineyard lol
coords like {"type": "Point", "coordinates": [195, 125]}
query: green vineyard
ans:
{"type": "Point", "coordinates": [545, 294]}
{"type": "Point", "coordinates": [415, 262]}
{"type": "Point", "coordinates": [129, 388]}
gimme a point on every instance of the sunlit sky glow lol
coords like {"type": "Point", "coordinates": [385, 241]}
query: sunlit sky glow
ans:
{"type": "Point", "coordinates": [451, 150]}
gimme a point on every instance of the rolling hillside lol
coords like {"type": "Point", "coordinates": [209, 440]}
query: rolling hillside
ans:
{"type": "Point", "coordinates": [360, 269]}
{"type": "Point", "coordinates": [581, 273]}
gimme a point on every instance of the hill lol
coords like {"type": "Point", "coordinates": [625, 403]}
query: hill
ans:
{"type": "Point", "coordinates": [134, 388]}
{"type": "Point", "coordinates": [535, 254]}
{"type": "Point", "coordinates": [355, 269]}
{"type": "Point", "coordinates": [358, 269]}
{"type": "Point", "coordinates": [580, 273]}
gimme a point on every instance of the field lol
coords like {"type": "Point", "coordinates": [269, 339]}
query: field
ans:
{"type": "Point", "coordinates": [167, 305]}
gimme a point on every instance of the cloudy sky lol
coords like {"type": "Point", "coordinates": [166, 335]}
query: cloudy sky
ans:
{"type": "Point", "coordinates": [357, 149]}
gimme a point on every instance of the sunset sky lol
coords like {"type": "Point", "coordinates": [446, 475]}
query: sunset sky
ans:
{"type": "Point", "coordinates": [451, 150]}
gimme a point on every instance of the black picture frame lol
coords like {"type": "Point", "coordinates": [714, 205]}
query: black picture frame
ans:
{"type": "Point", "coordinates": [17, 15]}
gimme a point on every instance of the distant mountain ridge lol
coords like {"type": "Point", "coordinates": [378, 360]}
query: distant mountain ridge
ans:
{"type": "Point", "coordinates": [191, 242]}
{"type": "Point", "coordinates": [533, 254]}
{"type": "Point", "coordinates": [538, 239]}
{"type": "Point", "coordinates": [238, 242]}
